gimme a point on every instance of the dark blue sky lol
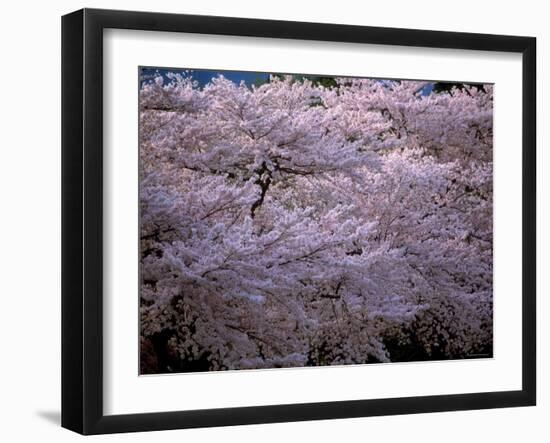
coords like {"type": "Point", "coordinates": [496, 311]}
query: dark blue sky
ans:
{"type": "Point", "coordinates": [204, 76]}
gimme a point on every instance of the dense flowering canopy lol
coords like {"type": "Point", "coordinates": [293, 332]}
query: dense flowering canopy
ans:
{"type": "Point", "coordinates": [293, 224]}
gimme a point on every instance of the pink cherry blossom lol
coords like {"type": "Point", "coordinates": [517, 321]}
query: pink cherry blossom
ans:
{"type": "Point", "coordinates": [292, 224]}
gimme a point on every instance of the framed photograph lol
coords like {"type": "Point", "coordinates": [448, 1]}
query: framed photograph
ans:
{"type": "Point", "coordinates": [269, 221]}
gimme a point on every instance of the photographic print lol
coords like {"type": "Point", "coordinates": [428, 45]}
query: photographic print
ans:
{"type": "Point", "coordinates": [291, 220]}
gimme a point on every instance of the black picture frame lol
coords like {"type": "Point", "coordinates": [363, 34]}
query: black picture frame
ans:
{"type": "Point", "coordinates": [82, 215]}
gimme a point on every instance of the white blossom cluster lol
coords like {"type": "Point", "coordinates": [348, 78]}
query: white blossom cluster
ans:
{"type": "Point", "coordinates": [294, 224]}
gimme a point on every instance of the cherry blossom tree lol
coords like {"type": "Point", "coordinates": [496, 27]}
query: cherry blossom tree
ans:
{"type": "Point", "coordinates": [296, 224]}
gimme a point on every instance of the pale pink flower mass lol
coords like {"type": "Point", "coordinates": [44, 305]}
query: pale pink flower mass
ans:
{"type": "Point", "coordinates": [295, 224]}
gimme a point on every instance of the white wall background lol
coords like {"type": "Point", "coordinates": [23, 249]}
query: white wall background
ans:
{"type": "Point", "coordinates": [30, 219]}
